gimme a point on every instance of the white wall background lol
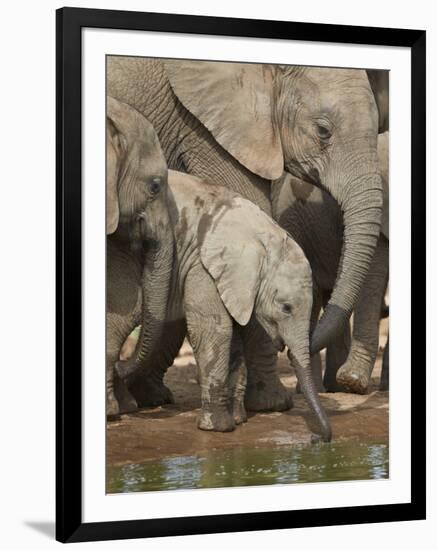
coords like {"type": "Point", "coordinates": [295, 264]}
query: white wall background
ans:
{"type": "Point", "coordinates": [27, 229]}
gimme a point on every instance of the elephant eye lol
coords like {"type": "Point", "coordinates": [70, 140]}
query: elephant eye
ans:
{"type": "Point", "coordinates": [324, 132]}
{"type": "Point", "coordinates": [286, 308]}
{"type": "Point", "coordinates": [155, 185]}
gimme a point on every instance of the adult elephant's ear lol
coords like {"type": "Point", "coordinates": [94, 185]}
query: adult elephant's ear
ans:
{"type": "Point", "coordinates": [379, 82]}
{"type": "Point", "coordinates": [234, 102]}
{"type": "Point", "coordinates": [116, 147]}
{"type": "Point", "coordinates": [233, 255]}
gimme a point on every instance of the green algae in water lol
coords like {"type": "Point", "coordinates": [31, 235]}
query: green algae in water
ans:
{"type": "Point", "coordinates": [339, 461]}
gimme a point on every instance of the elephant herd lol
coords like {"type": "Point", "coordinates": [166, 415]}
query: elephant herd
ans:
{"type": "Point", "coordinates": [247, 209]}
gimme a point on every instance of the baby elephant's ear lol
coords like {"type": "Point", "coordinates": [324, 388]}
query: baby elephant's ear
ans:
{"type": "Point", "coordinates": [232, 254]}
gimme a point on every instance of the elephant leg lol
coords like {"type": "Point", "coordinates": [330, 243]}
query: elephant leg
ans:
{"type": "Point", "coordinates": [385, 309]}
{"type": "Point", "coordinates": [336, 355]}
{"type": "Point", "coordinates": [122, 315]}
{"type": "Point", "coordinates": [112, 406]}
{"type": "Point", "coordinates": [355, 373]}
{"type": "Point", "coordinates": [126, 401]}
{"type": "Point", "coordinates": [147, 385]}
{"type": "Point", "coordinates": [384, 383]}
{"type": "Point", "coordinates": [238, 377]}
{"type": "Point", "coordinates": [265, 391]}
{"type": "Point", "coordinates": [210, 330]}
{"type": "Point", "coordinates": [118, 398]}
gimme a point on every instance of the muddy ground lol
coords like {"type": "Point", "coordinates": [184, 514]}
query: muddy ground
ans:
{"type": "Point", "coordinates": [171, 430]}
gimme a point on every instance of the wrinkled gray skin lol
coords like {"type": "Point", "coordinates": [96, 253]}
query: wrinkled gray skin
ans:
{"type": "Point", "coordinates": [139, 240]}
{"type": "Point", "coordinates": [315, 221]}
{"type": "Point", "coordinates": [233, 263]}
{"type": "Point", "coordinates": [379, 82]}
{"type": "Point", "coordinates": [239, 125]}
{"type": "Point", "coordinates": [356, 372]}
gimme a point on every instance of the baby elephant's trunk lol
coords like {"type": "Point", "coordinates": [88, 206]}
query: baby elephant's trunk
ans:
{"type": "Point", "coordinates": [300, 360]}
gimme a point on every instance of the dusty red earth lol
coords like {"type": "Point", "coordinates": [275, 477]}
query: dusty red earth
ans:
{"type": "Point", "coordinates": [171, 430]}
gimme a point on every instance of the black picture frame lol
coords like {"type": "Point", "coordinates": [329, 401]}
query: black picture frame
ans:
{"type": "Point", "coordinates": [69, 24]}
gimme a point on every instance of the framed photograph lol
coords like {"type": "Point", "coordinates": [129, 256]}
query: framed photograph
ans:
{"type": "Point", "coordinates": [232, 196]}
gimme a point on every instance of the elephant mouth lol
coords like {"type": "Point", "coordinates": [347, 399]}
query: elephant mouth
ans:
{"type": "Point", "coordinates": [139, 233]}
{"type": "Point", "coordinates": [279, 345]}
{"type": "Point", "coordinates": [308, 175]}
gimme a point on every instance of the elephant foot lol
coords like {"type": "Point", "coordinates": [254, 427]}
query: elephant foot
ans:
{"type": "Point", "coordinates": [354, 378]}
{"type": "Point", "coordinates": [150, 392]}
{"type": "Point", "coordinates": [334, 387]}
{"type": "Point", "coordinates": [263, 396]}
{"type": "Point", "coordinates": [240, 415]}
{"type": "Point", "coordinates": [216, 421]}
{"type": "Point", "coordinates": [331, 385]}
{"type": "Point", "coordinates": [112, 408]}
{"type": "Point", "coordinates": [126, 401]}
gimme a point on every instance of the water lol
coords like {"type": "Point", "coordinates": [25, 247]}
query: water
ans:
{"type": "Point", "coordinates": [339, 461]}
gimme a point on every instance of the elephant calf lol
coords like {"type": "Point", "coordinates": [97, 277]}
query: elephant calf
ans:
{"type": "Point", "coordinates": [233, 263]}
{"type": "Point", "coordinates": [136, 213]}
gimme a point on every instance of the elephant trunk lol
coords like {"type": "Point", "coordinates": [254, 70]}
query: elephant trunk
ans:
{"type": "Point", "coordinates": [300, 360]}
{"type": "Point", "coordinates": [361, 202]}
{"type": "Point", "coordinates": [155, 290]}
{"type": "Point", "coordinates": [156, 283]}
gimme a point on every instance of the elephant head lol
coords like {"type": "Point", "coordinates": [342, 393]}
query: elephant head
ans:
{"type": "Point", "coordinates": [137, 185]}
{"type": "Point", "coordinates": [258, 269]}
{"type": "Point", "coordinates": [135, 165]}
{"type": "Point", "coordinates": [320, 125]}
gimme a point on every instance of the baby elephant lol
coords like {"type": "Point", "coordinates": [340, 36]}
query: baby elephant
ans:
{"type": "Point", "coordinates": [139, 239]}
{"type": "Point", "coordinates": [233, 261]}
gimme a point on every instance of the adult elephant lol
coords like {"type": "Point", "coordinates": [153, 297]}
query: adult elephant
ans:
{"type": "Point", "coordinates": [315, 221]}
{"type": "Point", "coordinates": [240, 125]}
